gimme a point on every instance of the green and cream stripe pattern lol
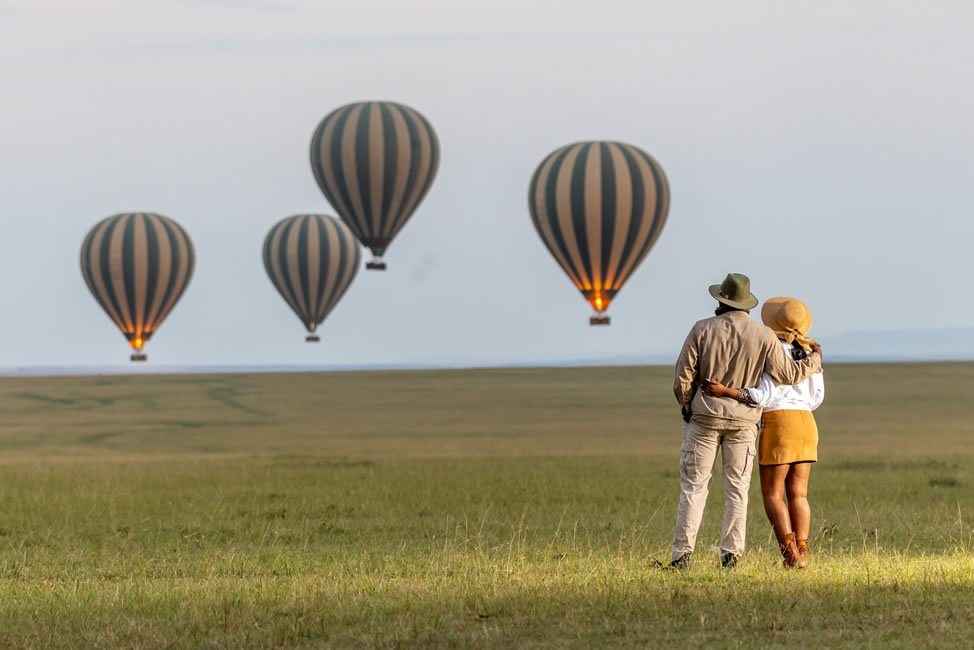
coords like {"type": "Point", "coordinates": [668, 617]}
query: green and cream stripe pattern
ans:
{"type": "Point", "coordinates": [137, 265]}
{"type": "Point", "coordinates": [599, 207]}
{"type": "Point", "coordinates": [374, 162]}
{"type": "Point", "coordinates": [311, 259]}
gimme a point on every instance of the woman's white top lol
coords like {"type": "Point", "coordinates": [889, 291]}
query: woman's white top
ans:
{"type": "Point", "coordinates": [772, 396]}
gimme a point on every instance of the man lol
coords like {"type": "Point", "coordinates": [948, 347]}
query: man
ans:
{"type": "Point", "coordinates": [736, 351]}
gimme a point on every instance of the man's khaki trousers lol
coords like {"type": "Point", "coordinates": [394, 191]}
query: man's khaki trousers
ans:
{"type": "Point", "coordinates": [697, 461]}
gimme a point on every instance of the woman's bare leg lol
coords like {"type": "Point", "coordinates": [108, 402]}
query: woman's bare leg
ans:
{"type": "Point", "coordinates": [796, 485]}
{"type": "Point", "coordinates": [773, 492]}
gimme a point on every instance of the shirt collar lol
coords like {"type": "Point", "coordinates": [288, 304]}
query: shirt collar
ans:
{"type": "Point", "coordinates": [736, 314]}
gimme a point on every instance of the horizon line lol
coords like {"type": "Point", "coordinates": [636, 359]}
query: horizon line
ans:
{"type": "Point", "coordinates": [201, 369]}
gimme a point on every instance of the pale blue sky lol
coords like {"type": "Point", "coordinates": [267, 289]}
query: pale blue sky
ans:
{"type": "Point", "coordinates": [822, 148]}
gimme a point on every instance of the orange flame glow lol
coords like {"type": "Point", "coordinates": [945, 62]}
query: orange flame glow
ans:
{"type": "Point", "coordinates": [599, 302]}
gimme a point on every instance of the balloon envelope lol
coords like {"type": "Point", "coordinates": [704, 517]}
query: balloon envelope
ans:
{"type": "Point", "coordinates": [311, 260]}
{"type": "Point", "coordinates": [374, 162]}
{"type": "Point", "coordinates": [599, 208]}
{"type": "Point", "coordinates": [137, 265]}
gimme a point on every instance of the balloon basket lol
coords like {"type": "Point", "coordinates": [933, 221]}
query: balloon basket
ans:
{"type": "Point", "coordinates": [598, 320]}
{"type": "Point", "coordinates": [376, 265]}
{"type": "Point", "coordinates": [139, 356]}
{"type": "Point", "coordinates": [312, 338]}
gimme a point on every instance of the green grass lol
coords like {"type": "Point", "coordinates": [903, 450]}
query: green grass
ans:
{"type": "Point", "coordinates": [504, 508]}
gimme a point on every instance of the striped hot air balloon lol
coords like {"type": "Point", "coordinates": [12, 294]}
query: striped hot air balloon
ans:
{"type": "Point", "coordinates": [137, 265]}
{"type": "Point", "coordinates": [374, 162]}
{"type": "Point", "coordinates": [599, 208]}
{"type": "Point", "coordinates": [311, 259]}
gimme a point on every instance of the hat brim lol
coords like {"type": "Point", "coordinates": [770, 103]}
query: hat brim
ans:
{"type": "Point", "coordinates": [748, 303]}
{"type": "Point", "coordinates": [769, 315]}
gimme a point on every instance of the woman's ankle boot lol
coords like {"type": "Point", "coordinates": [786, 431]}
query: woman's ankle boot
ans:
{"type": "Point", "coordinates": [789, 550]}
{"type": "Point", "coordinates": [802, 545]}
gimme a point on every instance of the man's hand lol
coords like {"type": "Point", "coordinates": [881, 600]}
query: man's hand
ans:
{"type": "Point", "coordinates": [717, 389]}
{"type": "Point", "coordinates": [816, 349]}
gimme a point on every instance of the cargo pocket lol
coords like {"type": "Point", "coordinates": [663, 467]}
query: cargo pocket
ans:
{"type": "Point", "coordinates": [688, 460]}
{"type": "Point", "coordinates": [748, 465]}
{"type": "Point", "coordinates": [693, 467]}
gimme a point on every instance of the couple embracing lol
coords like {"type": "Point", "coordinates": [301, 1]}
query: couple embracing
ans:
{"type": "Point", "coordinates": [733, 373]}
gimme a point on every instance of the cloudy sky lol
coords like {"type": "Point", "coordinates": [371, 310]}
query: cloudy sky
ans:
{"type": "Point", "coordinates": [822, 148]}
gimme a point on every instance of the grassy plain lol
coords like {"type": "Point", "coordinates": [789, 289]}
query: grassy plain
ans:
{"type": "Point", "coordinates": [490, 508]}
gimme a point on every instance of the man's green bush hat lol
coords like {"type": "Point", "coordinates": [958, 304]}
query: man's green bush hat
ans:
{"type": "Point", "coordinates": [735, 291]}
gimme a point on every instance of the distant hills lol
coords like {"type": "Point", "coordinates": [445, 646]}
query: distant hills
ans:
{"type": "Point", "coordinates": [858, 346]}
{"type": "Point", "coordinates": [905, 345]}
{"type": "Point", "coordinates": [861, 346]}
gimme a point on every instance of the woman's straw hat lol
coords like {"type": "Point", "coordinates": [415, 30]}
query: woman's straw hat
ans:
{"type": "Point", "coordinates": [790, 319]}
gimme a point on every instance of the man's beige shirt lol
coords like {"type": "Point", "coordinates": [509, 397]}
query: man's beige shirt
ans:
{"type": "Point", "coordinates": [736, 351]}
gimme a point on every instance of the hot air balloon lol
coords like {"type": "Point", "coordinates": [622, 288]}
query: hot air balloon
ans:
{"type": "Point", "coordinates": [374, 162]}
{"type": "Point", "coordinates": [137, 265]}
{"type": "Point", "coordinates": [599, 208]}
{"type": "Point", "coordinates": [311, 259]}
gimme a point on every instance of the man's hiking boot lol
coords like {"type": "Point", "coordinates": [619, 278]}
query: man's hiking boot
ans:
{"type": "Point", "coordinates": [728, 561]}
{"type": "Point", "coordinates": [789, 551]}
{"type": "Point", "coordinates": [802, 545]}
{"type": "Point", "coordinates": [682, 563]}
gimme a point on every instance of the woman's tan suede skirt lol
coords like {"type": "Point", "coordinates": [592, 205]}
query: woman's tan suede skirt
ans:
{"type": "Point", "coordinates": [789, 436]}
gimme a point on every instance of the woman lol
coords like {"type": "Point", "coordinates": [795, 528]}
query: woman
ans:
{"type": "Point", "coordinates": [789, 435]}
